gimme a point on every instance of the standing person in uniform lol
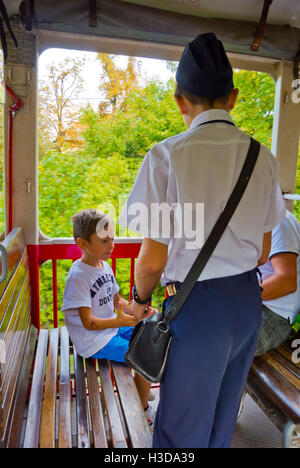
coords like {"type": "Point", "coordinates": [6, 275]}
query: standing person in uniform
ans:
{"type": "Point", "coordinates": [215, 333]}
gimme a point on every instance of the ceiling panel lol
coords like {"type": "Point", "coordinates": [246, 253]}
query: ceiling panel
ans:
{"type": "Point", "coordinates": [175, 22]}
{"type": "Point", "coordinates": [12, 6]}
{"type": "Point", "coordinates": [281, 12]}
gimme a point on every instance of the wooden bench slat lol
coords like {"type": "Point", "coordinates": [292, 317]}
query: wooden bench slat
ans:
{"type": "Point", "coordinates": [267, 401]}
{"type": "Point", "coordinates": [115, 425]}
{"type": "Point", "coordinates": [8, 404]}
{"type": "Point", "coordinates": [17, 417]}
{"type": "Point", "coordinates": [32, 432]}
{"type": "Point", "coordinates": [9, 304]}
{"type": "Point", "coordinates": [65, 425]}
{"type": "Point", "coordinates": [13, 288]}
{"type": "Point", "coordinates": [289, 377]}
{"type": "Point", "coordinates": [284, 358]}
{"type": "Point", "coordinates": [12, 361]}
{"type": "Point", "coordinates": [12, 313]}
{"type": "Point", "coordinates": [98, 426]}
{"type": "Point", "coordinates": [274, 384]}
{"type": "Point", "coordinates": [281, 393]}
{"type": "Point", "coordinates": [83, 439]}
{"type": "Point", "coordinates": [8, 389]}
{"type": "Point", "coordinates": [15, 245]}
{"type": "Point", "coordinates": [9, 308]}
{"type": "Point", "coordinates": [137, 425]}
{"type": "Point", "coordinates": [48, 412]}
{"type": "Point", "coordinates": [287, 353]}
{"type": "Point", "coordinates": [11, 335]}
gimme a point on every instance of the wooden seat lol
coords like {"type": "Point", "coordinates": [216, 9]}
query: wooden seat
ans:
{"type": "Point", "coordinates": [274, 383]}
{"type": "Point", "coordinates": [18, 338]}
{"type": "Point", "coordinates": [50, 396]}
{"type": "Point", "coordinates": [82, 403]}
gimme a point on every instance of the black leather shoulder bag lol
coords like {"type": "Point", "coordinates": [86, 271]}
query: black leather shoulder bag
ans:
{"type": "Point", "coordinates": [150, 342]}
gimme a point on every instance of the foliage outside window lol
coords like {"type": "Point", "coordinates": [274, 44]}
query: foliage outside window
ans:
{"type": "Point", "coordinates": [296, 209]}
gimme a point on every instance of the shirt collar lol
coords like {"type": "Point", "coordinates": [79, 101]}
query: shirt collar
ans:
{"type": "Point", "coordinates": [208, 116]}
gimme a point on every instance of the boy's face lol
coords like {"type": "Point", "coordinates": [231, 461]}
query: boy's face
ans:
{"type": "Point", "coordinates": [97, 248]}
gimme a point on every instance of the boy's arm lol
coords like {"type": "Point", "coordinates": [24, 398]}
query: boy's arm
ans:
{"type": "Point", "coordinates": [150, 265]}
{"type": "Point", "coordinates": [284, 279]}
{"type": "Point", "coordinates": [90, 322]}
{"type": "Point", "coordinates": [118, 299]}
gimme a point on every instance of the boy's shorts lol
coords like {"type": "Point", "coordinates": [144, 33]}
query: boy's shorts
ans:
{"type": "Point", "coordinates": [116, 348]}
{"type": "Point", "coordinates": [273, 332]}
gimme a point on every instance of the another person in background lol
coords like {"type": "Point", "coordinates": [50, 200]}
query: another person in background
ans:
{"type": "Point", "coordinates": [281, 285]}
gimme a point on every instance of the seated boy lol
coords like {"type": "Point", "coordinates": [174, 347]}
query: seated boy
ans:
{"type": "Point", "coordinates": [91, 294]}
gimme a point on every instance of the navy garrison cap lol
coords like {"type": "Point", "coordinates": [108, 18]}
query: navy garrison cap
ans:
{"type": "Point", "coordinates": [204, 68]}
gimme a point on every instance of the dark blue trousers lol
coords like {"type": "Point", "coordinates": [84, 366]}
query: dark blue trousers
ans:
{"type": "Point", "coordinates": [214, 341]}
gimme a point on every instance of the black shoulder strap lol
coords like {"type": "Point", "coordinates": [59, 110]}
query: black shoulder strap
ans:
{"type": "Point", "coordinates": [216, 233]}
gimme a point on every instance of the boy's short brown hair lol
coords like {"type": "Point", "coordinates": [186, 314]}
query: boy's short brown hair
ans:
{"type": "Point", "coordinates": [85, 223]}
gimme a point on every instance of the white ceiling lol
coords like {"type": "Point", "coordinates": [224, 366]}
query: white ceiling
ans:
{"type": "Point", "coordinates": [282, 12]}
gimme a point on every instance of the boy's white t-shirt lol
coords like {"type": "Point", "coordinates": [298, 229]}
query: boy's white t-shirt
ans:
{"type": "Point", "coordinates": [88, 286]}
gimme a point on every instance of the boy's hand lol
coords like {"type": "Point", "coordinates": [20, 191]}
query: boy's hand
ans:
{"type": "Point", "coordinates": [124, 303]}
{"type": "Point", "coordinates": [150, 312]}
{"type": "Point", "coordinates": [123, 319]}
{"type": "Point", "coordinates": [140, 311]}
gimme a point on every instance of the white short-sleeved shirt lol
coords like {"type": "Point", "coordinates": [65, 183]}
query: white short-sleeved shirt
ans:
{"type": "Point", "coordinates": [202, 166]}
{"type": "Point", "coordinates": [285, 239]}
{"type": "Point", "coordinates": [88, 286]}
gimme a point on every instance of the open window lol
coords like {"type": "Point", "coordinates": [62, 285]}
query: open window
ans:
{"type": "Point", "coordinates": [100, 114]}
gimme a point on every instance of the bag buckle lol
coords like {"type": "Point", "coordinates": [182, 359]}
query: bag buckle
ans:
{"type": "Point", "coordinates": [160, 329]}
{"type": "Point", "coordinates": [163, 327]}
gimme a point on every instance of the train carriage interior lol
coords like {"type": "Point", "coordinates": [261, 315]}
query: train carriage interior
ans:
{"type": "Point", "coordinates": [50, 397]}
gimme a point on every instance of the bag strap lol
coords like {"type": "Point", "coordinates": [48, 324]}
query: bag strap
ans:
{"type": "Point", "coordinates": [213, 238]}
{"type": "Point", "coordinates": [93, 20]}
